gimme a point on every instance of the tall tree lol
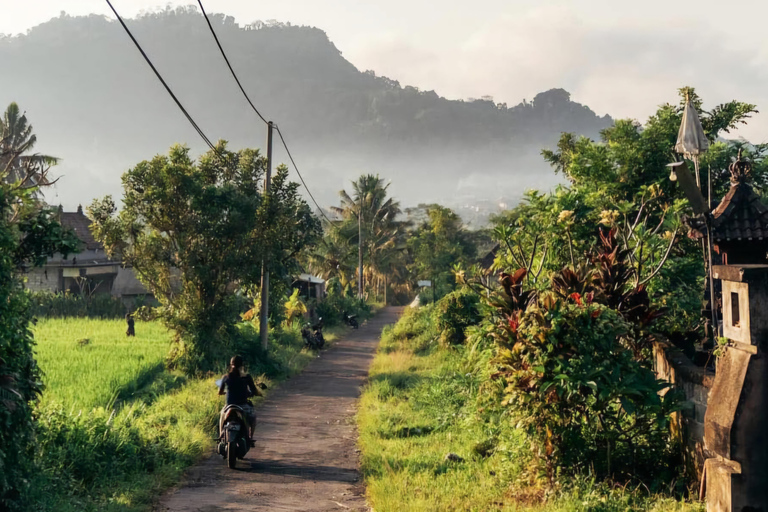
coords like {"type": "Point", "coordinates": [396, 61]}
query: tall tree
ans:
{"type": "Point", "coordinates": [438, 245]}
{"type": "Point", "coordinates": [193, 230]}
{"type": "Point", "coordinates": [369, 213]}
{"type": "Point", "coordinates": [17, 140]}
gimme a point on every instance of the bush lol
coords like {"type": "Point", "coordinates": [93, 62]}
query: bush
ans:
{"type": "Point", "coordinates": [59, 305]}
{"type": "Point", "coordinates": [584, 398]}
{"type": "Point", "coordinates": [455, 312]}
{"type": "Point", "coordinates": [333, 307]}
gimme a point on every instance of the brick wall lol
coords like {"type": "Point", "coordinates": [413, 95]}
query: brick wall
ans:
{"type": "Point", "coordinates": [674, 367]}
{"type": "Point", "coordinates": [38, 280]}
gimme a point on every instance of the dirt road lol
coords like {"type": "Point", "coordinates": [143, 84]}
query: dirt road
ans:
{"type": "Point", "coordinates": [305, 458]}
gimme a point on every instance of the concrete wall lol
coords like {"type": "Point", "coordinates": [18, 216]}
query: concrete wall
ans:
{"type": "Point", "coordinates": [673, 366]}
{"type": "Point", "coordinates": [42, 280]}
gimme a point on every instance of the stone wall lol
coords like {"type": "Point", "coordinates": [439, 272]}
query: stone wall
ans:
{"type": "Point", "coordinates": [696, 382]}
{"type": "Point", "coordinates": [42, 280]}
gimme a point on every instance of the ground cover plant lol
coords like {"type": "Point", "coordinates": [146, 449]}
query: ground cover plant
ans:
{"type": "Point", "coordinates": [115, 427]}
{"type": "Point", "coordinates": [426, 400]}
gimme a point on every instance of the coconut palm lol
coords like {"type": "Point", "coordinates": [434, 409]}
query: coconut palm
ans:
{"type": "Point", "coordinates": [369, 213]}
{"type": "Point", "coordinates": [17, 163]}
{"type": "Point", "coordinates": [333, 256]}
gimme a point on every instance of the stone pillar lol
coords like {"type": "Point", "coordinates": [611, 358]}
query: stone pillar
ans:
{"type": "Point", "coordinates": [736, 421]}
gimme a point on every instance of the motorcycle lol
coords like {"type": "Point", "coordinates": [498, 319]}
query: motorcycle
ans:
{"type": "Point", "coordinates": [234, 441]}
{"type": "Point", "coordinates": [313, 335]}
{"type": "Point", "coordinates": [350, 320]}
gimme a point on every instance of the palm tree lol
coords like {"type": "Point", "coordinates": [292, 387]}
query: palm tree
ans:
{"type": "Point", "coordinates": [16, 142]}
{"type": "Point", "coordinates": [371, 222]}
{"type": "Point", "coordinates": [333, 256]}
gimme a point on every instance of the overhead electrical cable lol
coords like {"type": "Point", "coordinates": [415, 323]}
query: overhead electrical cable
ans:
{"type": "Point", "coordinates": [288, 151]}
{"type": "Point", "coordinates": [160, 77]}
{"type": "Point", "coordinates": [242, 89]}
{"type": "Point", "coordinates": [226, 59]}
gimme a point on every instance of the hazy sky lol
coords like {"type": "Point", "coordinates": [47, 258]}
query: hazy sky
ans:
{"type": "Point", "coordinates": [619, 57]}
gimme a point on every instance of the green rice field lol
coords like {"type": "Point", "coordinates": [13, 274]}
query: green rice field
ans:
{"type": "Point", "coordinates": [91, 363]}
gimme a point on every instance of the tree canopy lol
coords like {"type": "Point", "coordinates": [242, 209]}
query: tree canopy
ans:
{"type": "Point", "coordinates": [193, 231]}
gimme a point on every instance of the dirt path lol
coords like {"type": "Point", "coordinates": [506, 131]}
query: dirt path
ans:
{"type": "Point", "coordinates": [305, 456]}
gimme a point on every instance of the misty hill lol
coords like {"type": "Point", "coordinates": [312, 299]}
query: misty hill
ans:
{"type": "Point", "coordinates": [95, 103]}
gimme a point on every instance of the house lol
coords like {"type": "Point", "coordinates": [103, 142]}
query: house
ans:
{"type": "Point", "coordinates": [89, 272]}
{"type": "Point", "coordinates": [310, 287]}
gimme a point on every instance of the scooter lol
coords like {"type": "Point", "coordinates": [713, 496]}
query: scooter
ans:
{"type": "Point", "coordinates": [313, 335]}
{"type": "Point", "coordinates": [234, 441]}
{"type": "Point", "coordinates": [350, 320]}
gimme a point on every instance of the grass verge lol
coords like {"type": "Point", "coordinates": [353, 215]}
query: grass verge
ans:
{"type": "Point", "coordinates": [424, 402]}
{"type": "Point", "coordinates": [115, 428]}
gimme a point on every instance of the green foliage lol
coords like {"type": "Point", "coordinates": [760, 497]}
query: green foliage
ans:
{"type": "Point", "coordinates": [333, 307]}
{"type": "Point", "coordinates": [29, 233]}
{"type": "Point", "coordinates": [622, 182]}
{"type": "Point", "coordinates": [586, 400]}
{"type": "Point", "coordinates": [294, 308]}
{"type": "Point", "coordinates": [60, 305]}
{"type": "Point", "coordinates": [193, 230]}
{"type": "Point", "coordinates": [423, 402]}
{"type": "Point", "coordinates": [454, 313]}
{"type": "Point", "coordinates": [439, 244]}
{"type": "Point", "coordinates": [368, 224]}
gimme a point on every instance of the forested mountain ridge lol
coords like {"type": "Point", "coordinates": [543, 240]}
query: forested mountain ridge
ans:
{"type": "Point", "coordinates": [94, 102]}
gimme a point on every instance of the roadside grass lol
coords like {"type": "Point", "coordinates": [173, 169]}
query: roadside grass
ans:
{"type": "Point", "coordinates": [423, 402]}
{"type": "Point", "coordinates": [115, 428]}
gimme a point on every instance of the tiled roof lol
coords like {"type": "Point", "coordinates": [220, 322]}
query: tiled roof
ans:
{"type": "Point", "coordinates": [740, 216]}
{"type": "Point", "coordinates": [81, 225]}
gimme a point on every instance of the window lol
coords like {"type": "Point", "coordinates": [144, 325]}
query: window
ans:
{"type": "Point", "coordinates": [735, 319]}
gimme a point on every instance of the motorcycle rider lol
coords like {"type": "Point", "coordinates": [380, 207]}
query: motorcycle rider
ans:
{"type": "Point", "coordinates": [239, 388]}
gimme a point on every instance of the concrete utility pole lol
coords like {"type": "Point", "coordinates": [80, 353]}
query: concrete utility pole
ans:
{"type": "Point", "coordinates": [264, 317]}
{"type": "Point", "coordinates": [360, 249]}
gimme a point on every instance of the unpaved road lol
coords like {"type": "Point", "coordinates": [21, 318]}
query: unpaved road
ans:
{"type": "Point", "coordinates": [305, 458]}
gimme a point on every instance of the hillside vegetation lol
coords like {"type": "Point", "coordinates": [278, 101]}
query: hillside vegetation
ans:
{"type": "Point", "coordinates": [340, 118]}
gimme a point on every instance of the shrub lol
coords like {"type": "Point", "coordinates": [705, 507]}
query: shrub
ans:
{"type": "Point", "coordinates": [582, 395]}
{"type": "Point", "coordinates": [455, 312]}
{"type": "Point", "coordinates": [333, 307]}
{"type": "Point", "coordinates": [59, 305]}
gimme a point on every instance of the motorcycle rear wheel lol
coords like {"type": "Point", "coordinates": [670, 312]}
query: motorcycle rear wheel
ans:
{"type": "Point", "coordinates": [231, 455]}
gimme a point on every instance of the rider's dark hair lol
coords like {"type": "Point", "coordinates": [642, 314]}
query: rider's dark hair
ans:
{"type": "Point", "coordinates": [234, 367]}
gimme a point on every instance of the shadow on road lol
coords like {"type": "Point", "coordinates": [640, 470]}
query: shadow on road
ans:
{"type": "Point", "coordinates": [302, 471]}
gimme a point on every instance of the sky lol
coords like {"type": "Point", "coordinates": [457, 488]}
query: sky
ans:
{"type": "Point", "coordinates": [618, 57]}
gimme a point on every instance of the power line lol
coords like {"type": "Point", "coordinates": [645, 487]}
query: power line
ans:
{"type": "Point", "coordinates": [226, 59]}
{"type": "Point", "coordinates": [242, 89]}
{"type": "Point", "coordinates": [285, 145]}
{"type": "Point", "coordinates": [159, 77]}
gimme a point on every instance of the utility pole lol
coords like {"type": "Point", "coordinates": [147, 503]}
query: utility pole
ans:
{"type": "Point", "coordinates": [263, 320]}
{"type": "Point", "coordinates": [360, 249]}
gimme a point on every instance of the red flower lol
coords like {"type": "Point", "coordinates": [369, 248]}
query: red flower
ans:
{"type": "Point", "coordinates": [590, 297]}
{"type": "Point", "coordinates": [576, 298]}
{"type": "Point", "coordinates": [514, 323]}
{"type": "Point", "coordinates": [596, 313]}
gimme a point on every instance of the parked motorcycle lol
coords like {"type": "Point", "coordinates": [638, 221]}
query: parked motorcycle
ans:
{"type": "Point", "coordinates": [313, 335]}
{"type": "Point", "coordinates": [350, 320]}
{"type": "Point", "coordinates": [234, 441]}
